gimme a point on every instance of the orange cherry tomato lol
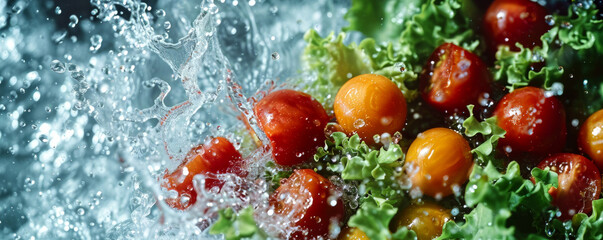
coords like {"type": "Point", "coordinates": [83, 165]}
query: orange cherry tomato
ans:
{"type": "Point", "coordinates": [515, 21]}
{"type": "Point", "coordinates": [579, 183]}
{"type": "Point", "coordinates": [294, 123]}
{"type": "Point", "coordinates": [454, 78]}
{"type": "Point", "coordinates": [590, 138]}
{"type": "Point", "coordinates": [310, 201]}
{"type": "Point", "coordinates": [368, 105]}
{"type": "Point", "coordinates": [438, 161]}
{"type": "Point", "coordinates": [535, 122]}
{"type": "Point", "coordinates": [426, 219]}
{"type": "Point", "coordinates": [216, 156]}
{"type": "Point", "coordinates": [352, 233]}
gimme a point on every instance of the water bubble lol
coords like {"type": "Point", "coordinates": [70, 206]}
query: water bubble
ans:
{"type": "Point", "coordinates": [72, 67]}
{"type": "Point", "coordinates": [167, 25]}
{"type": "Point", "coordinates": [275, 56]}
{"type": "Point", "coordinates": [78, 75]}
{"type": "Point", "coordinates": [96, 42]}
{"type": "Point", "coordinates": [29, 182]}
{"type": "Point", "coordinates": [48, 110]}
{"type": "Point", "coordinates": [58, 10]}
{"type": "Point", "coordinates": [36, 96]}
{"type": "Point", "coordinates": [274, 9]}
{"type": "Point", "coordinates": [57, 66]}
{"type": "Point", "coordinates": [160, 13]}
{"type": "Point", "coordinates": [94, 11]}
{"type": "Point", "coordinates": [17, 8]}
{"type": "Point", "coordinates": [73, 21]}
{"type": "Point", "coordinates": [81, 211]}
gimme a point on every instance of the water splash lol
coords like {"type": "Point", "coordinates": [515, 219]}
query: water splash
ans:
{"type": "Point", "coordinates": [109, 101]}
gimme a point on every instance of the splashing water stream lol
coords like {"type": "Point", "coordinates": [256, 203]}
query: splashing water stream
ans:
{"type": "Point", "coordinates": [98, 100]}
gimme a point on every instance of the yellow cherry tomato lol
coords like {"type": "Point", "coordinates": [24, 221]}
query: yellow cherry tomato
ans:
{"type": "Point", "coordinates": [438, 161]}
{"type": "Point", "coordinates": [426, 219]}
{"type": "Point", "coordinates": [590, 138]}
{"type": "Point", "coordinates": [352, 233]}
{"type": "Point", "coordinates": [368, 105]}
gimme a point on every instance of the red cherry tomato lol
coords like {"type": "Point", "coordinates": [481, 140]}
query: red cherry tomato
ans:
{"type": "Point", "coordinates": [310, 201]}
{"type": "Point", "coordinates": [590, 139]}
{"type": "Point", "coordinates": [579, 183]}
{"type": "Point", "coordinates": [453, 78]}
{"type": "Point", "coordinates": [515, 21]}
{"type": "Point", "coordinates": [216, 156]}
{"type": "Point", "coordinates": [535, 123]}
{"type": "Point", "coordinates": [294, 123]}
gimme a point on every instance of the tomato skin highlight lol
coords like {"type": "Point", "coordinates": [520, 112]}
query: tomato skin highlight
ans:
{"type": "Point", "coordinates": [590, 138]}
{"type": "Point", "coordinates": [579, 183]}
{"type": "Point", "coordinates": [535, 123]}
{"type": "Point", "coordinates": [507, 22]}
{"type": "Point", "coordinates": [438, 160]}
{"type": "Point", "coordinates": [368, 105]}
{"type": "Point", "coordinates": [294, 123]}
{"type": "Point", "coordinates": [306, 196]}
{"type": "Point", "coordinates": [426, 219]}
{"type": "Point", "coordinates": [217, 156]}
{"type": "Point", "coordinates": [454, 78]}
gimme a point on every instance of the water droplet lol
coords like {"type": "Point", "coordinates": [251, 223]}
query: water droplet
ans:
{"type": "Point", "coordinates": [17, 8]}
{"type": "Point", "coordinates": [78, 75]}
{"type": "Point", "coordinates": [96, 41]}
{"type": "Point", "coordinates": [359, 123]}
{"type": "Point", "coordinates": [94, 11]}
{"type": "Point", "coordinates": [73, 21]}
{"type": "Point", "coordinates": [72, 67]}
{"type": "Point", "coordinates": [275, 56]}
{"type": "Point", "coordinates": [185, 199]}
{"type": "Point", "coordinates": [81, 211]}
{"type": "Point", "coordinates": [160, 13]}
{"type": "Point", "coordinates": [57, 66]}
{"type": "Point", "coordinates": [549, 19]}
{"type": "Point", "coordinates": [274, 9]}
{"type": "Point", "coordinates": [58, 10]}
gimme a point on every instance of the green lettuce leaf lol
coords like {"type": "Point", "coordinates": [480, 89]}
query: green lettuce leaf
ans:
{"type": "Point", "coordinates": [273, 175]}
{"type": "Point", "coordinates": [330, 63]}
{"type": "Point", "coordinates": [381, 20]}
{"type": "Point", "coordinates": [374, 172]}
{"type": "Point", "coordinates": [440, 21]}
{"type": "Point", "coordinates": [568, 55]}
{"type": "Point", "coordinates": [373, 218]}
{"type": "Point", "coordinates": [518, 69]}
{"type": "Point", "coordinates": [235, 226]}
{"type": "Point", "coordinates": [491, 133]}
{"type": "Point", "coordinates": [506, 206]}
{"type": "Point", "coordinates": [356, 161]}
{"type": "Point", "coordinates": [590, 227]}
